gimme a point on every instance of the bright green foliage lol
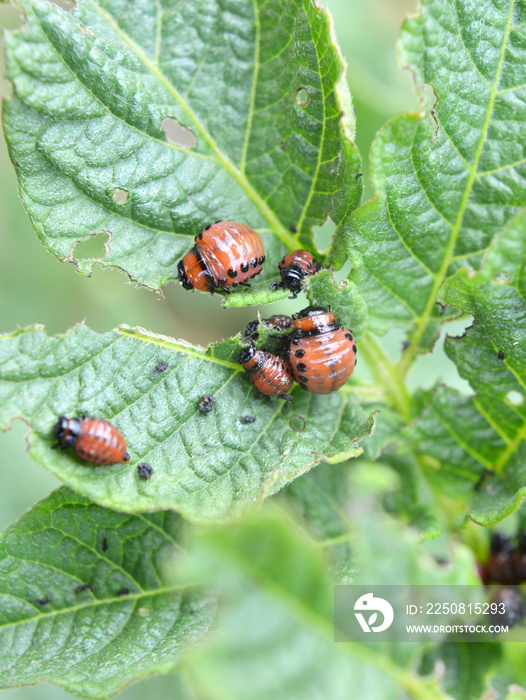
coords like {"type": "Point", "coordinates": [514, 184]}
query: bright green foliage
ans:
{"type": "Point", "coordinates": [279, 590]}
{"type": "Point", "coordinates": [257, 87]}
{"type": "Point", "coordinates": [267, 129]}
{"type": "Point", "coordinates": [207, 466]}
{"type": "Point", "coordinates": [478, 441]}
{"type": "Point", "coordinates": [134, 619]}
{"type": "Point", "coordinates": [445, 184]}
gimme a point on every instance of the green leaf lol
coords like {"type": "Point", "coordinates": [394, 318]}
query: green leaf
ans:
{"type": "Point", "coordinates": [90, 600]}
{"type": "Point", "coordinates": [467, 667]}
{"type": "Point", "coordinates": [275, 637]}
{"type": "Point", "coordinates": [479, 441]}
{"type": "Point", "coordinates": [209, 467]}
{"type": "Point", "coordinates": [447, 181]}
{"type": "Point", "coordinates": [320, 499]}
{"type": "Point", "coordinates": [412, 500]}
{"type": "Point", "coordinates": [257, 87]}
{"type": "Point", "coordinates": [344, 298]}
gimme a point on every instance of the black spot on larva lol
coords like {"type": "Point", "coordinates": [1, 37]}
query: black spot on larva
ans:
{"type": "Point", "coordinates": [222, 282]}
{"type": "Point", "coordinates": [293, 229]}
{"type": "Point", "coordinates": [501, 355]}
{"type": "Point", "coordinates": [200, 235]}
{"type": "Point", "coordinates": [123, 591]}
{"type": "Point", "coordinates": [302, 367]}
{"type": "Point", "coordinates": [83, 587]}
{"type": "Point", "coordinates": [232, 273]}
{"type": "Point", "coordinates": [299, 353]}
{"type": "Point", "coordinates": [254, 262]}
{"type": "Point", "coordinates": [144, 470]}
{"type": "Point", "coordinates": [244, 267]}
{"type": "Point", "coordinates": [262, 260]}
{"type": "Point", "coordinates": [235, 284]}
{"type": "Point", "coordinates": [161, 367]}
{"type": "Point", "coordinates": [349, 336]}
{"type": "Point", "coordinates": [297, 423]}
{"type": "Point", "coordinates": [301, 378]}
{"type": "Point", "coordinates": [44, 601]}
{"type": "Point", "coordinates": [206, 404]}
{"type": "Point", "coordinates": [220, 220]}
{"type": "Point", "coordinates": [354, 348]}
{"type": "Point", "coordinates": [207, 227]}
{"type": "Point", "coordinates": [248, 419]}
{"type": "Point", "coordinates": [104, 545]}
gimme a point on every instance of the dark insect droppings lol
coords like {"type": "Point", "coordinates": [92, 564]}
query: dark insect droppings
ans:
{"type": "Point", "coordinates": [293, 229]}
{"type": "Point", "coordinates": [123, 591]}
{"type": "Point", "coordinates": [206, 404]}
{"type": "Point", "coordinates": [144, 470]}
{"type": "Point", "coordinates": [104, 545]}
{"type": "Point", "coordinates": [84, 587]}
{"type": "Point", "coordinates": [44, 601]}
{"type": "Point", "coordinates": [248, 419]}
{"type": "Point", "coordinates": [161, 367]}
{"type": "Point", "coordinates": [501, 355]}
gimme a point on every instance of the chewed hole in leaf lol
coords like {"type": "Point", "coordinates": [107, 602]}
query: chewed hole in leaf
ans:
{"type": "Point", "coordinates": [7, 89]}
{"type": "Point", "coordinates": [175, 133]}
{"type": "Point", "coordinates": [64, 4]}
{"type": "Point", "coordinates": [515, 398]}
{"type": "Point", "coordinates": [92, 247]}
{"type": "Point", "coordinates": [323, 234]}
{"type": "Point", "coordinates": [120, 195]}
{"type": "Point", "coordinates": [297, 423]}
{"type": "Point", "coordinates": [302, 97]}
{"type": "Point", "coordinates": [502, 277]}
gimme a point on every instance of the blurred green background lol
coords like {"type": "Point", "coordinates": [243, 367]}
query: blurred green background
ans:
{"type": "Point", "coordinates": [36, 288]}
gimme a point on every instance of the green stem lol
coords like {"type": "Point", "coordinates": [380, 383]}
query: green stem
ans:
{"type": "Point", "coordinates": [385, 373]}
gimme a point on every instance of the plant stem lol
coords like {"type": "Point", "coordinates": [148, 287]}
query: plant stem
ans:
{"type": "Point", "coordinates": [386, 375]}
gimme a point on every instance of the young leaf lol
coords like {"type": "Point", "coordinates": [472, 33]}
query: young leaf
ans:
{"type": "Point", "coordinates": [90, 600]}
{"type": "Point", "coordinates": [479, 441]}
{"type": "Point", "coordinates": [210, 466]}
{"type": "Point", "coordinates": [445, 185]}
{"type": "Point", "coordinates": [149, 120]}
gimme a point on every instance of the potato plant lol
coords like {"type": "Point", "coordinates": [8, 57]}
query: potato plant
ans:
{"type": "Point", "coordinates": [146, 121]}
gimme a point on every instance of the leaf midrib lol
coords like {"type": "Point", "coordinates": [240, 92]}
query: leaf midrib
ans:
{"type": "Point", "coordinates": [421, 327]}
{"type": "Point", "coordinates": [280, 231]}
{"type": "Point", "coordinates": [95, 603]}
